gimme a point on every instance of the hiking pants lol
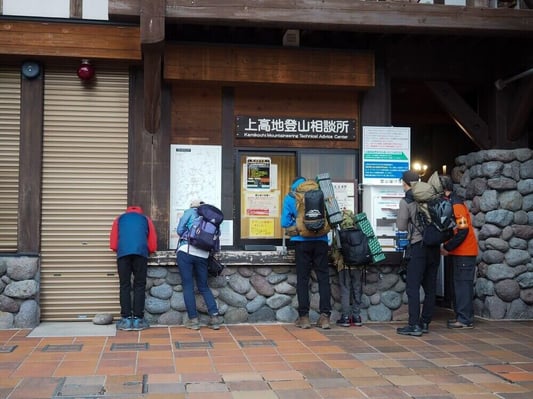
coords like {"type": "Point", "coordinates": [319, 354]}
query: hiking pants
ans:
{"type": "Point", "coordinates": [463, 286]}
{"type": "Point", "coordinates": [194, 268]}
{"type": "Point", "coordinates": [128, 265]}
{"type": "Point", "coordinates": [422, 271]}
{"type": "Point", "coordinates": [312, 255]}
{"type": "Point", "coordinates": [351, 289]}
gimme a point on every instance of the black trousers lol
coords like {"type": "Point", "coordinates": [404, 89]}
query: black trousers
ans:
{"type": "Point", "coordinates": [422, 272]}
{"type": "Point", "coordinates": [312, 255]}
{"type": "Point", "coordinates": [128, 265]}
{"type": "Point", "coordinates": [463, 286]}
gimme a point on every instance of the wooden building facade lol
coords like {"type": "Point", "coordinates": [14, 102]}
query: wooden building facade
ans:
{"type": "Point", "coordinates": [76, 151]}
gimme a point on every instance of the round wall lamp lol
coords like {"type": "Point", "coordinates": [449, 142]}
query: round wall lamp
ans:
{"type": "Point", "coordinates": [31, 69]}
{"type": "Point", "coordinates": [86, 71]}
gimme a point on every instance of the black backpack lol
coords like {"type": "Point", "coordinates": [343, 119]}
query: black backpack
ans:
{"type": "Point", "coordinates": [311, 210]}
{"type": "Point", "coordinates": [354, 247]}
{"type": "Point", "coordinates": [204, 232]}
{"type": "Point", "coordinates": [437, 220]}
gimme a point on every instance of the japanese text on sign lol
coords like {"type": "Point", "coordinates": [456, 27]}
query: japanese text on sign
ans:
{"type": "Point", "coordinates": [295, 128]}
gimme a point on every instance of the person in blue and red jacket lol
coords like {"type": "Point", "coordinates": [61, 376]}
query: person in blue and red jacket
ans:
{"type": "Point", "coordinates": [463, 250]}
{"type": "Point", "coordinates": [133, 238]}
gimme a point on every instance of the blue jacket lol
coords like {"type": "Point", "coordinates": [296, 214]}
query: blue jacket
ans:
{"type": "Point", "coordinates": [186, 221]}
{"type": "Point", "coordinates": [289, 213]}
{"type": "Point", "coordinates": [133, 233]}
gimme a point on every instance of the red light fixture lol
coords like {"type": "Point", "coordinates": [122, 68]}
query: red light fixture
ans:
{"type": "Point", "coordinates": [86, 71]}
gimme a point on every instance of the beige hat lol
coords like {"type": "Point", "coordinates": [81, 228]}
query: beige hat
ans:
{"type": "Point", "coordinates": [196, 203]}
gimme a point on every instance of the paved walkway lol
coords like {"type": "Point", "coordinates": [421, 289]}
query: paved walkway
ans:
{"type": "Point", "coordinates": [274, 361]}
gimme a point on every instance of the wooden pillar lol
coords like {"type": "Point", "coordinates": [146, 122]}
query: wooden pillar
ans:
{"type": "Point", "coordinates": [152, 44]}
{"type": "Point", "coordinates": [149, 160]}
{"type": "Point", "coordinates": [376, 102]}
{"type": "Point", "coordinates": [30, 160]}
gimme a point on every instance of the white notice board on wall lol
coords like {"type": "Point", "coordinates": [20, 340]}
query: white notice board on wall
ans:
{"type": "Point", "coordinates": [195, 173]}
{"type": "Point", "coordinates": [386, 154]}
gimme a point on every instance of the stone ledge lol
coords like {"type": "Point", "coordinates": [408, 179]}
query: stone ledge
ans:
{"type": "Point", "coordinates": [232, 258]}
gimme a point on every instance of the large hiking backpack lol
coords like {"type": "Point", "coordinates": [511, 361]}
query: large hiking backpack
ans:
{"type": "Point", "coordinates": [434, 211]}
{"type": "Point", "coordinates": [351, 242]}
{"type": "Point", "coordinates": [204, 232]}
{"type": "Point", "coordinates": [354, 247]}
{"type": "Point", "coordinates": [311, 210]}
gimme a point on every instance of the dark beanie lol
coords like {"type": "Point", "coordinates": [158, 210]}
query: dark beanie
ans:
{"type": "Point", "coordinates": [409, 176]}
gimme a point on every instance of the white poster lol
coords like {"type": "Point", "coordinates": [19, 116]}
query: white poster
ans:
{"type": "Point", "coordinates": [195, 174]}
{"type": "Point", "coordinates": [386, 154]}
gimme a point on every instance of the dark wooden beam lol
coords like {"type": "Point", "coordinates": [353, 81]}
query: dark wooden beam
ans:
{"type": "Point", "coordinates": [76, 9]}
{"type": "Point", "coordinates": [349, 15]}
{"type": "Point", "coordinates": [376, 103]}
{"type": "Point", "coordinates": [521, 110]}
{"type": "Point", "coordinates": [462, 114]}
{"type": "Point", "coordinates": [149, 174]}
{"type": "Point", "coordinates": [30, 155]}
{"type": "Point", "coordinates": [76, 40]}
{"type": "Point", "coordinates": [294, 66]}
{"type": "Point", "coordinates": [152, 44]}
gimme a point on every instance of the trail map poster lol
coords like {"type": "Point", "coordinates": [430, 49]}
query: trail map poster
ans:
{"type": "Point", "coordinates": [195, 173]}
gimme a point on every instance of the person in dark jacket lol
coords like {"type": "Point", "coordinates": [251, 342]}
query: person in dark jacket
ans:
{"type": "Point", "coordinates": [422, 266]}
{"type": "Point", "coordinates": [133, 238]}
{"type": "Point", "coordinates": [310, 252]}
{"type": "Point", "coordinates": [463, 249]}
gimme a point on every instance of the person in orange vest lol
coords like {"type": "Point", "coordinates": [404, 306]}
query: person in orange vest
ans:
{"type": "Point", "coordinates": [463, 249]}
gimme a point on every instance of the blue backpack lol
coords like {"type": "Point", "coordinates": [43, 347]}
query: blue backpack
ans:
{"type": "Point", "coordinates": [204, 231]}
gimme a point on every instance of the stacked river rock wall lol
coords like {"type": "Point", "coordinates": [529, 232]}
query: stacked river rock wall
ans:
{"type": "Point", "coordinates": [498, 187]}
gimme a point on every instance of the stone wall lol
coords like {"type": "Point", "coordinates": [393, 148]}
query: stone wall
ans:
{"type": "Point", "coordinates": [261, 287]}
{"type": "Point", "coordinates": [266, 293]}
{"type": "Point", "coordinates": [19, 292]}
{"type": "Point", "coordinates": [498, 187]}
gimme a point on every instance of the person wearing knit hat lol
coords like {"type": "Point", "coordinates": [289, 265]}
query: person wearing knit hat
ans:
{"type": "Point", "coordinates": [196, 203]}
{"type": "Point", "coordinates": [408, 177]}
{"type": "Point", "coordinates": [422, 265]}
{"type": "Point", "coordinates": [192, 264]}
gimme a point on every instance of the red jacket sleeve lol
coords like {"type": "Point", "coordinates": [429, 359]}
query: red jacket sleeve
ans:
{"type": "Point", "coordinates": [152, 237]}
{"type": "Point", "coordinates": [113, 236]}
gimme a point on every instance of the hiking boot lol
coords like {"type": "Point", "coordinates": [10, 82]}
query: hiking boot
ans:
{"type": "Point", "coordinates": [303, 322]}
{"type": "Point", "coordinates": [125, 324]}
{"type": "Point", "coordinates": [415, 330]}
{"type": "Point", "coordinates": [323, 321]}
{"type": "Point", "coordinates": [424, 327]}
{"type": "Point", "coordinates": [458, 324]}
{"type": "Point", "coordinates": [214, 322]}
{"type": "Point", "coordinates": [139, 324]}
{"type": "Point", "coordinates": [193, 324]}
{"type": "Point", "coordinates": [344, 321]}
{"type": "Point", "coordinates": [356, 320]}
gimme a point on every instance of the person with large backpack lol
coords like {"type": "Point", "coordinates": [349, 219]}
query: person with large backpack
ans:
{"type": "Point", "coordinates": [423, 264]}
{"type": "Point", "coordinates": [308, 230]}
{"type": "Point", "coordinates": [350, 254]}
{"type": "Point", "coordinates": [463, 249]}
{"type": "Point", "coordinates": [197, 230]}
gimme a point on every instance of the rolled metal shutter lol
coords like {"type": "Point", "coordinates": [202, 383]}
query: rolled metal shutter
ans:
{"type": "Point", "coordinates": [85, 164]}
{"type": "Point", "coordinates": [9, 157]}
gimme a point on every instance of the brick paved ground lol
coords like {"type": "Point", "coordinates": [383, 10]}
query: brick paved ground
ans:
{"type": "Point", "coordinates": [274, 361]}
